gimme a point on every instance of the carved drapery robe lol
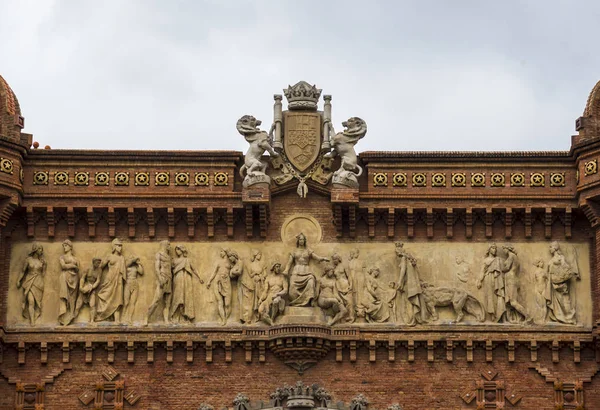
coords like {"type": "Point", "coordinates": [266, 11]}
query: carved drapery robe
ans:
{"type": "Point", "coordinates": [68, 289]}
{"type": "Point", "coordinates": [409, 283]}
{"type": "Point", "coordinates": [183, 289]}
{"type": "Point", "coordinates": [558, 294]}
{"type": "Point", "coordinates": [302, 288]}
{"type": "Point", "coordinates": [33, 284]}
{"type": "Point", "coordinates": [110, 290]}
{"type": "Point", "coordinates": [493, 287]}
{"type": "Point", "coordinates": [250, 289]}
{"type": "Point", "coordinates": [376, 300]}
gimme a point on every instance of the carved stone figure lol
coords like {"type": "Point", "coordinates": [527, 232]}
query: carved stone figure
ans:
{"type": "Point", "coordinates": [253, 170]}
{"type": "Point", "coordinates": [409, 285]}
{"type": "Point", "coordinates": [182, 304]}
{"type": "Point", "coordinates": [163, 269]}
{"type": "Point", "coordinates": [492, 281]}
{"type": "Point", "coordinates": [88, 285]}
{"type": "Point", "coordinates": [132, 287]}
{"type": "Point", "coordinates": [356, 270]}
{"type": "Point", "coordinates": [460, 300]}
{"type": "Point", "coordinates": [515, 311]}
{"type": "Point", "coordinates": [463, 270]}
{"type": "Point", "coordinates": [344, 286]}
{"type": "Point", "coordinates": [31, 280]}
{"type": "Point", "coordinates": [342, 144]}
{"type": "Point", "coordinates": [250, 286]}
{"type": "Point", "coordinates": [68, 284]}
{"type": "Point", "coordinates": [302, 287]}
{"type": "Point", "coordinates": [272, 299]}
{"type": "Point", "coordinates": [329, 298]}
{"type": "Point", "coordinates": [227, 268]}
{"type": "Point", "coordinates": [540, 276]}
{"type": "Point", "coordinates": [377, 299]}
{"type": "Point", "coordinates": [558, 295]}
{"type": "Point", "coordinates": [110, 290]}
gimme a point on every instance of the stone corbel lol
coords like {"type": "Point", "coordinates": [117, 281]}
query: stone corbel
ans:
{"type": "Point", "coordinates": [150, 352]}
{"type": "Point", "coordinates": [229, 219]}
{"type": "Point", "coordinates": [249, 221]}
{"type": "Point", "coordinates": [91, 220]}
{"type": "Point", "coordinates": [568, 222]}
{"type": "Point", "coordinates": [429, 219]}
{"type": "Point", "coordinates": [337, 220]}
{"type": "Point", "coordinates": [548, 223]}
{"type": "Point", "coordinates": [169, 348]}
{"type": "Point", "coordinates": [208, 348]}
{"type": "Point", "coordinates": [372, 351]}
{"type": "Point", "coordinates": [511, 347]}
{"type": "Point", "coordinates": [70, 222]}
{"type": "Point", "coordinates": [210, 221]}
{"type": "Point", "coordinates": [533, 348]}
{"type": "Point", "coordinates": [449, 223]}
{"type": "Point", "coordinates": [410, 222]}
{"type": "Point", "coordinates": [131, 222]}
{"type": "Point", "coordinates": [30, 222]}
{"type": "Point", "coordinates": [110, 348]}
{"type": "Point", "coordinates": [191, 222]}
{"type": "Point", "coordinates": [130, 351]}
{"type": "Point", "coordinates": [489, 351]}
{"type": "Point", "coordinates": [262, 351]}
{"type": "Point", "coordinates": [21, 352]}
{"type": "Point", "coordinates": [391, 350]}
{"type": "Point", "coordinates": [508, 222]}
{"type": "Point", "coordinates": [352, 221]}
{"type": "Point", "coordinates": [371, 222]}
{"type": "Point", "coordinates": [449, 351]}
{"type": "Point", "coordinates": [248, 350]}
{"type": "Point", "coordinates": [44, 352]}
{"type": "Point", "coordinates": [151, 222]}
{"type": "Point", "coordinates": [189, 351]}
{"type": "Point", "coordinates": [489, 222]}
{"type": "Point", "coordinates": [528, 221]}
{"type": "Point", "coordinates": [171, 222]}
{"type": "Point", "coordinates": [391, 223]}
{"type": "Point", "coordinates": [112, 219]}
{"type": "Point", "coordinates": [263, 213]}
{"type": "Point", "coordinates": [469, 223]}
{"type": "Point", "coordinates": [66, 352]}
{"type": "Point", "coordinates": [50, 221]}
{"type": "Point", "coordinates": [89, 351]}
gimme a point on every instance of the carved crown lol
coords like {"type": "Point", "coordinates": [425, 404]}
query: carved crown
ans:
{"type": "Point", "coordinates": [302, 96]}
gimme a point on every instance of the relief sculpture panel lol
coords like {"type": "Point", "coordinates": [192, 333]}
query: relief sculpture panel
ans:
{"type": "Point", "coordinates": [299, 279]}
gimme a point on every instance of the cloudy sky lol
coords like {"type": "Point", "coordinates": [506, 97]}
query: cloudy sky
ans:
{"type": "Point", "coordinates": [424, 74]}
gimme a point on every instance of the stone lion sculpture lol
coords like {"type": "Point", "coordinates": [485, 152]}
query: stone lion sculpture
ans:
{"type": "Point", "coordinates": [253, 170]}
{"type": "Point", "coordinates": [343, 144]}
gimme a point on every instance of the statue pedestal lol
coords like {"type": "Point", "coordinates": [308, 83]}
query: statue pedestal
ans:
{"type": "Point", "coordinates": [259, 193]}
{"type": "Point", "coordinates": [341, 194]}
{"type": "Point", "coordinates": [302, 315]}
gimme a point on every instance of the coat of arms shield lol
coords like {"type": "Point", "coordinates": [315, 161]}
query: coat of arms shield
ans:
{"type": "Point", "coordinates": [302, 138]}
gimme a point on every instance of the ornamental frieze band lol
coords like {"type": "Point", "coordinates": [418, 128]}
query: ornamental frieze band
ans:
{"type": "Point", "coordinates": [210, 279]}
